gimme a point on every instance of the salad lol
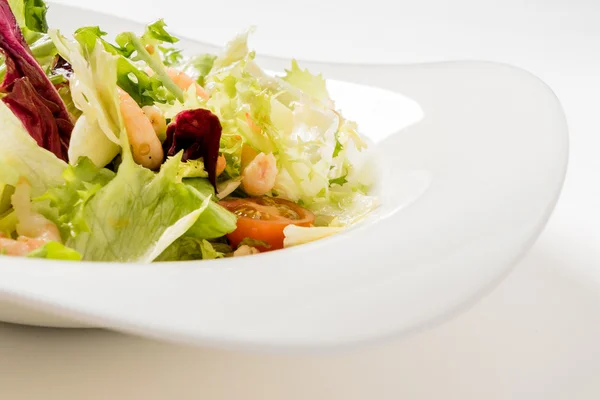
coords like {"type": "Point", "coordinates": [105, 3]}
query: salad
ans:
{"type": "Point", "coordinates": [125, 149]}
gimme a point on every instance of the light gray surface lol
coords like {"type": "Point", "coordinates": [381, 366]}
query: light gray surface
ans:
{"type": "Point", "coordinates": [529, 340]}
{"type": "Point", "coordinates": [535, 337]}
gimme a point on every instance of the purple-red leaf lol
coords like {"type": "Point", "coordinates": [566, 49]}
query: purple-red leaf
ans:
{"type": "Point", "coordinates": [37, 115]}
{"type": "Point", "coordinates": [29, 93]}
{"type": "Point", "coordinates": [198, 134]}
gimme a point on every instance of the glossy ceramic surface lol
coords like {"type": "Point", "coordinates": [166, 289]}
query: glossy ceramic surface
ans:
{"type": "Point", "coordinates": [471, 157]}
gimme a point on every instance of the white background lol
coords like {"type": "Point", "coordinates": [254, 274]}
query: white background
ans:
{"type": "Point", "coordinates": [537, 336]}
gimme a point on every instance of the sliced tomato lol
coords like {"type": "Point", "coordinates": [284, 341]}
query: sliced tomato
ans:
{"type": "Point", "coordinates": [264, 218]}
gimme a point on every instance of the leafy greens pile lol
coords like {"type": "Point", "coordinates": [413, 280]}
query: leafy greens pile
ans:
{"type": "Point", "coordinates": [64, 136]}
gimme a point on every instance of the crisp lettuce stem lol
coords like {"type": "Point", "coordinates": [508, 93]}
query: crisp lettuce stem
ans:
{"type": "Point", "coordinates": [43, 48]}
{"type": "Point", "coordinates": [157, 67]}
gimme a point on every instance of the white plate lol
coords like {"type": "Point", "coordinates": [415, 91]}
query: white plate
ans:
{"type": "Point", "coordinates": [465, 191]}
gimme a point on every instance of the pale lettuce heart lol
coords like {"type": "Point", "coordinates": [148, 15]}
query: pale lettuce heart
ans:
{"type": "Point", "coordinates": [312, 85]}
{"type": "Point", "coordinates": [88, 140]}
{"type": "Point", "coordinates": [235, 50]}
{"type": "Point", "coordinates": [94, 91]}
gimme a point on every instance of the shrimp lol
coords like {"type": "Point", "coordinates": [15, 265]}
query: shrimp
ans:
{"type": "Point", "coordinates": [184, 81]}
{"type": "Point", "coordinates": [34, 230]}
{"type": "Point", "coordinates": [221, 164]}
{"type": "Point", "coordinates": [19, 247]}
{"type": "Point", "coordinates": [39, 228]}
{"type": "Point", "coordinates": [146, 147]}
{"type": "Point", "coordinates": [157, 119]}
{"type": "Point", "coordinates": [259, 176]}
{"type": "Point", "coordinates": [245, 250]}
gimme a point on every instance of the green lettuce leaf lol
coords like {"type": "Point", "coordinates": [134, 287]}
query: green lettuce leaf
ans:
{"type": "Point", "coordinates": [227, 187]}
{"type": "Point", "coordinates": [67, 201]}
{"type": "Point", "coordinates": [216, 221]}
{"type": "Point", "coordinates": [55, 251]}
{"type": "Point", "coordinates": [126, 217]}
{"type": "Point", "coordinates": [199, 67]}
{"type": "Point", "coordinates": [89, 191]}
{"type": "Point", "coordinates": [8, 222]}
{"type": "Point", "coordinates": [209, 252]}
{"type": "Point", "coordinates": [131, 76]}
{"type": "Point", "coordinates": [253, 243]}
{"type": "Point", "coordinates": [144, 89]}
{"type": "Point", "coordinates": [134, 215]}
{"type": "Point", "coordinates": [171, 56]}
{"type": "Point", "coordinates": [156, 33]}
{"type": "Point", "coordinates": [338, 181]}
{"type": "Point", "coordinates": [202, 185]}
{"type": "Point", "coordinates": [6, 191]}
{"type": "Point", "coordinates": [65, 94]}
{"type": "Point", "coordinates": [236, 50]}
{"type": "Point", "coordinates": [192, 169]}
{"type": "Point", "coordinates": [157, 41]}
{"type": "Point", "coordinates": [173, 232]}
{"type": "Point", "coordinates": [312, 85]}
{"type": "Point", "coordinates": [129, 40]}
{"type": "Point", "coordinates": [30, 14]}
{"type": "Point", "coordinates": [88, 36]}
{"type": "Point", "coordinates": [43, 50]}
{"type": "Point", "coordinates": [189, 248]}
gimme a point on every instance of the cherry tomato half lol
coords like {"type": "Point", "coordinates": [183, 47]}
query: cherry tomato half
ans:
{"type": "Point", "coordinates": [264, 218]}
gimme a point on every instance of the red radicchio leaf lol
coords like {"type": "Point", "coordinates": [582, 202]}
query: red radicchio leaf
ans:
{"type": "Point", "coordinates": [29, 93]}
{"type": "Point", "coordinates": [39, 114]}
{"type": "Point", "coordinates": [198, 134]}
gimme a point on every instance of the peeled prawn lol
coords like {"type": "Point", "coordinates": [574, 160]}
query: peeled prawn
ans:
{"type": "Point", "coordinates": [19, 247]}
{"type": "Point", "coordinates": [184, 81]}
{"type": "Point", "coordinates": [146, 147]}
{"type": "Point", "coordinates": [157, 119]}
{"type": "Point", "coordinates": [34, 229]}
{"type": "Point", "coordinates": [258, 178]}
{"type": "Point", "coordinates": [221, 164]}
{"type": "Point", "coordinates": [245, 250]}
